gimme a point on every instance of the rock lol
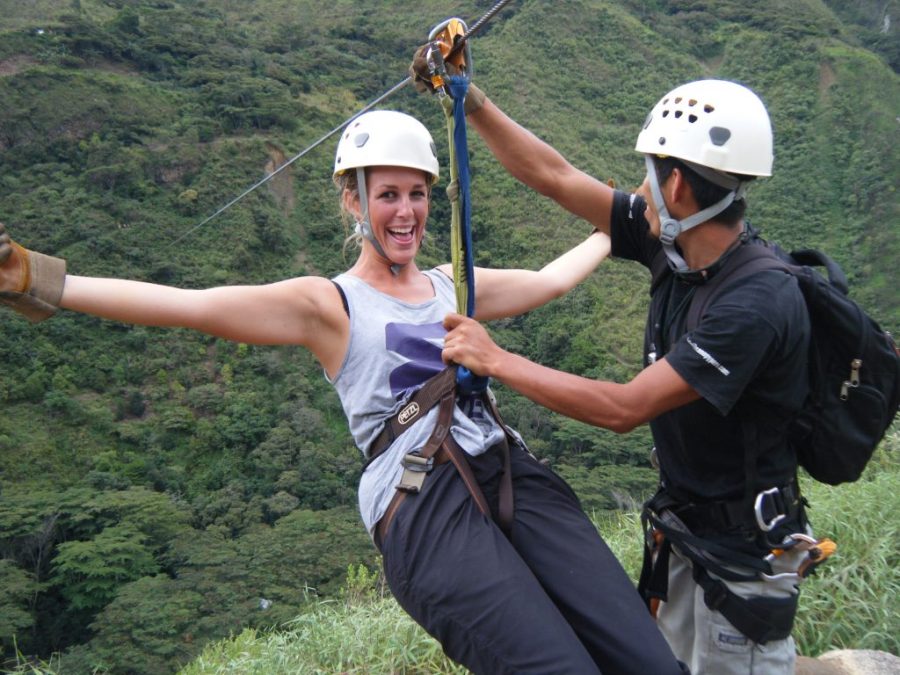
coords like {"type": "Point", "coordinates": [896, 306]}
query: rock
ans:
{"type": "Point", "coordinates": [849, 662]}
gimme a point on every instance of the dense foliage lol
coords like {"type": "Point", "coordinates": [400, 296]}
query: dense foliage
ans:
{"type": "Point", "coordinates": [161, 489]}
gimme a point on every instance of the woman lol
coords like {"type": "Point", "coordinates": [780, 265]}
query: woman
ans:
{"type": "Point", "coordinates": [547, 596]}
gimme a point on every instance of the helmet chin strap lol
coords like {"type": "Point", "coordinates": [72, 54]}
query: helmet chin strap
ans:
{"type": "Point", "coordinates": [364, 226]}
{"type": "Point", "coordinates": [669, 228]}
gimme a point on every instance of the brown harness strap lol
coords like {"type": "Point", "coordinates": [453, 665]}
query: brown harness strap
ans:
{"type": "Point", "coordinates": [423, 400]}
{"type": "Point", "coordinates": [417, 465]}
{"type": "Point", "coordinates": [439, 449]}
{"type": "Point", "coordinates": [458, 457]}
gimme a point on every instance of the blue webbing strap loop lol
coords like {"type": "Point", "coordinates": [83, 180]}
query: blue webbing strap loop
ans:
{"type": "Point", "coordinates": [457, 86]}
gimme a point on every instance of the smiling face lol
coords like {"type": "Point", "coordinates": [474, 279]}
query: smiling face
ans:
{"type": "Point", "coordinates": [398, 209]}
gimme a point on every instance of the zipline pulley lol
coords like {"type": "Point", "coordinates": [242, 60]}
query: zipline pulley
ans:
{"type": "Point", "coordinates": [449, 46]}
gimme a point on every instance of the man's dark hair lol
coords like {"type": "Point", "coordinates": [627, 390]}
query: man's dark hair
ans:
{"type": "Point", "coordinates": [705, 192]}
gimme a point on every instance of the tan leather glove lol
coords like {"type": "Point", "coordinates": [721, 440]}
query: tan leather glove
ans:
{"type": "Point", "coordinates": [421, 77]}
{"type": "Point", "coordinates": [30, 282]}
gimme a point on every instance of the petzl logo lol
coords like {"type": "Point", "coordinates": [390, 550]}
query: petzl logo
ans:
{"type": "Point", "coordinates": [408, 413]}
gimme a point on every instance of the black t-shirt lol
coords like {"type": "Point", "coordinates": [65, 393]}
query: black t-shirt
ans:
{"type": "Point", "coordinates": [746, 357]}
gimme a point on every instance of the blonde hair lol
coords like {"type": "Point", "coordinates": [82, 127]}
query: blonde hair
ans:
{"type": "Point", "coordinates": [347, 183]}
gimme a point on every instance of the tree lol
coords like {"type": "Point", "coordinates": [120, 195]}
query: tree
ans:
{"type": "Point", "coordinates": [89, 573]}
{"type": "Point", "coordinates": [18, 588]}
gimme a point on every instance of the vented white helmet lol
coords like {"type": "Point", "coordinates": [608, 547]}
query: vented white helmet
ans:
{"type": "Point", "coordinates": [386, 138]}
{"type": "Point", "coordinates": [712, 123]}
{"type": "Point", "coordinates": [718, 129]}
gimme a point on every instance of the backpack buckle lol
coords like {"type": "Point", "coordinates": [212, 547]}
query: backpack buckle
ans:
{"type": "Point", "coordinates": [415, 468]}
{"type": "Point", "coordinates": [772, 502]}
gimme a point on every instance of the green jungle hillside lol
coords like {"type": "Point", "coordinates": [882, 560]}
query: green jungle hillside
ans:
{"type": "Point", "coordinates": [160, 489]}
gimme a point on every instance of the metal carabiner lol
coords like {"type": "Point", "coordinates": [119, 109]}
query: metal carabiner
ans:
{"type": "Point", "coordinates": [767, 525]}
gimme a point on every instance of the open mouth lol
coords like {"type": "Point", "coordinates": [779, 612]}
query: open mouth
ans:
{"type": "Point", "coordinates": [402, 235]}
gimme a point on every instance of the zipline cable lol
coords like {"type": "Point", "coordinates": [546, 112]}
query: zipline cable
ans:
{"type": "Point", "coordinates": [476, 27]}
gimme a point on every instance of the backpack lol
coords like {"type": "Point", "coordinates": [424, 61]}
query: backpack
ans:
{"type": "Point", "coordinates": [854, 365]}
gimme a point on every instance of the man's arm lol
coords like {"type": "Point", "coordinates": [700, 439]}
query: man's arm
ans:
{"type": "Point", "coordinates": [618, 407]}
{"type": "Point", "coordinates": [541, 167]}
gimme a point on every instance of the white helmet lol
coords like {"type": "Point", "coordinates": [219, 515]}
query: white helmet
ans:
{"type": "Point", "coordinates": [386, 138]}
{"type": "Point", "coordinates": [712, 123]}
{"type": "Point", "coordinates": [718, 129]}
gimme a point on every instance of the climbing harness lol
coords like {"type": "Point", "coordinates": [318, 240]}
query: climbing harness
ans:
{"type": "Point", "coordinates": [668, 522]}
{"type": "Point", "coordinates": [441, 390]}
{"type": "Point", "coordinates": [460, 44]}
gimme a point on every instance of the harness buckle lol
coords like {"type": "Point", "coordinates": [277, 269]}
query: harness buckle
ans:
{"type": "Point", "coordinates": [415, 468]}
{"type": "Point", "coordinates": [775, 502]}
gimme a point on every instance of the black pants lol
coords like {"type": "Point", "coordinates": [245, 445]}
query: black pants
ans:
{"type": "Point", "coordinates": [553, 599]}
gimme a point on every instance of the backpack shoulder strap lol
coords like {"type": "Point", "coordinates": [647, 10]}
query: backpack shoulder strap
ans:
{"type": "Point", "coordinates": [659, 266]}
{"type": "Point", "coordinates": [748, 259]}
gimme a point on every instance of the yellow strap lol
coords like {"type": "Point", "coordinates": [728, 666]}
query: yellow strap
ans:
{"type": "Point", "coordinates": [457, 252]}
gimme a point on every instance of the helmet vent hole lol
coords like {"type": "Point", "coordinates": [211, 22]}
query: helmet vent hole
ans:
{"type": "Point", "coordinates": [665, 113]}
{"type": "Point", "coordinates": [662, 140]}
{"type": "Point", "coordinates": [361, 139]}
{"type": "Point", "coordinates": [692, 118]}
{"type": "Point", "coordinates": [678, 100]}
{"type": "Point", "coordinates": [719, 135]}
{"type": "Point", "coordinates": [708, 108]}
{"type": "Point", "coordinates": [692, 102]}
{"type": "Point", "coordinates": [678, 114]}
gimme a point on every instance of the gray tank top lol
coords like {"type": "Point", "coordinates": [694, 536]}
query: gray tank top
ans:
{"type": "Point", "coordinates": [394, 347]}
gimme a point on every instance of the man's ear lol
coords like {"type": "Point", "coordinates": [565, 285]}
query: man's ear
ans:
{"type": "Point", "coordinates": [675, 186]}
{"type": "Point", "coordinates": [679, 193]}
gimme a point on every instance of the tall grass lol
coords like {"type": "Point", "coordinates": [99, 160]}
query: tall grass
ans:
{"type": "Point", "coordinates": [851, 602]}
{"type": "Point", "coordinates": [375, 637]}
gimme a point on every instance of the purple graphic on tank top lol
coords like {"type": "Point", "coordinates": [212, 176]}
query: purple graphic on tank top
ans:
{"type": "Point", "coordinates": [421, 344]}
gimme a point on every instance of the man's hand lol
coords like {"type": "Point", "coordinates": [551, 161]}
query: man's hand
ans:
{"type": "Point", "coordinates": [468, 344]}
{"type": "Point", "coordinates": [419, 71]}
{"type": "Point", "coordinates": [421, 77]}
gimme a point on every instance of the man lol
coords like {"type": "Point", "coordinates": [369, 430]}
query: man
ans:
{"type": "Point", "coordinates": [728, 520]}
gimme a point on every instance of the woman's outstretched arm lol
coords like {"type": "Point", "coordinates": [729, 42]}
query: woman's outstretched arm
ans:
{"type": "Point", "coordinates": [509, 292]}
